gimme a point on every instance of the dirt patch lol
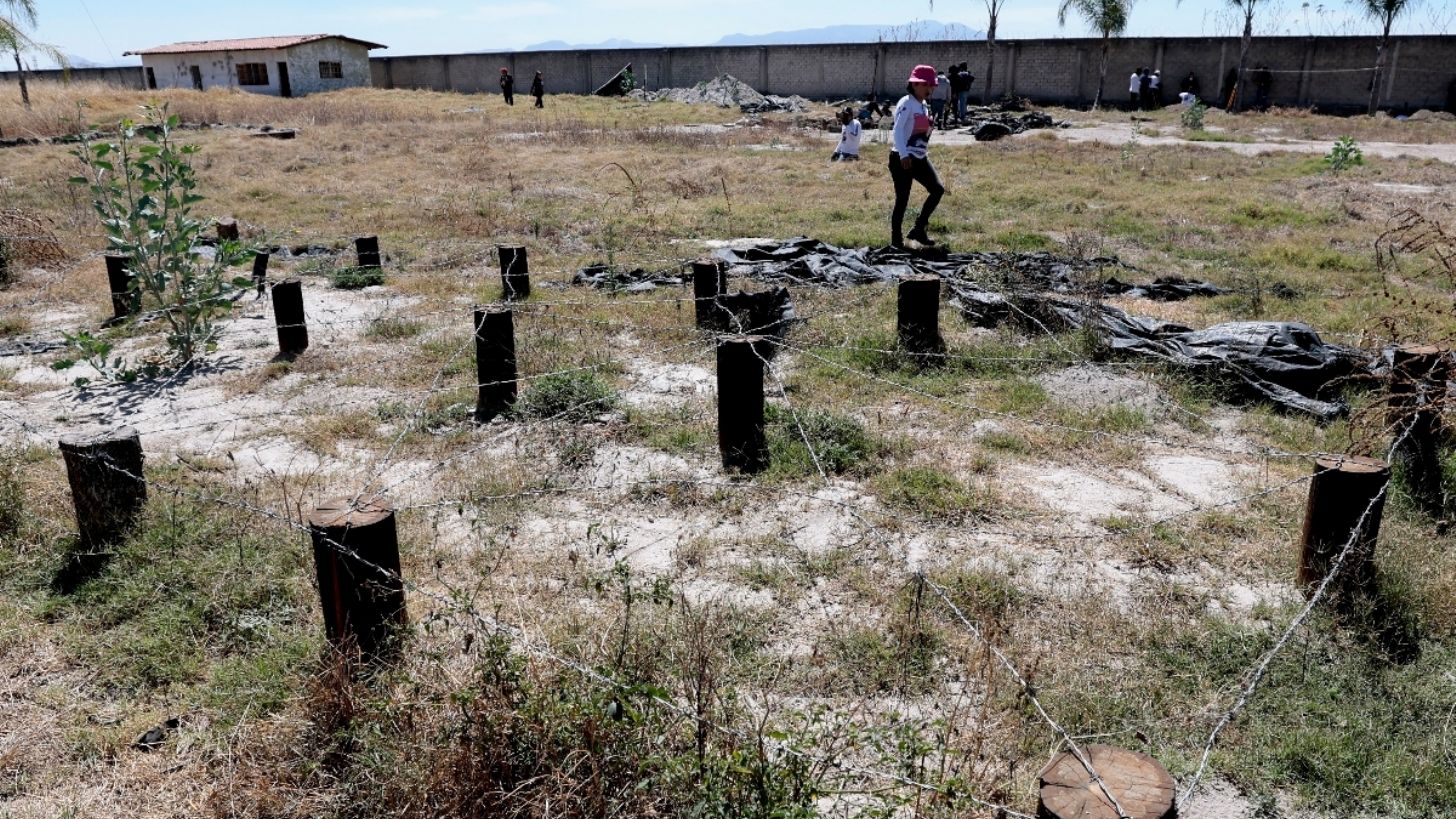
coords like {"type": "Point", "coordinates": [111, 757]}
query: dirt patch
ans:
{"type": "Point", "coordinates": [1090, 386]}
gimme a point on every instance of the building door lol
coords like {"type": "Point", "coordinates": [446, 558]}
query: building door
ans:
{"type": "Point", "coordinates": [151, 78]}
{"type": "Point", "coordinates": [196, 78]}
{"type": "Point", "coordinates": [285, 89]}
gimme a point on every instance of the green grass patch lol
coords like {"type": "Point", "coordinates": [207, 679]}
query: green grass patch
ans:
{"type": "Point", "coordinates": [936, 494]}
{"type": "Point", "coordinates": [356, 278]}
{"type": "Point", "coordinates": [571, 396]}
{"type": "Point", "coordinates": [799, 438]}
{"type": "Point", "coordinates": [393, 329]}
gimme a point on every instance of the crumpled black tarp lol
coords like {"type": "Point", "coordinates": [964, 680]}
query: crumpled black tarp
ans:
{"type": "Point", "coordinates": [1163, 288]}
{"type": "Point", "coordinates": [989, 124]}
{"type": "Point", "coordinates": [1286, 363]}
{"type": "Point", "coordinates": [632, 281]}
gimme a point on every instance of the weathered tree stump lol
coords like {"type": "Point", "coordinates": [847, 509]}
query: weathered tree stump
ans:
{"type": "Point", "coordinates": [366, 249]}
{"type": "Point", "coordinates": [918, 315]}
{"type": "Point", "coordinates": [1345, 501]}
{"type": "Point", "coordinates": [495, 362]}
{"type": "Point", "coordinates": [515, 272]}
{"type": "Point", "coordinates": [1141, 785]}
{"type": "Point", "coordinates": [288, 315]}
{"type": "Point", "coordinates": [123, 300]}
{"type": "Point", "coordinates": [1417, 387]}
{"type": "Point", "coordinates": [227, 230]}
{"type": "Point", "coordinates": [742, 436]}
{"type": "Point", "coordinates": [710, 280]}
{"type": "Point", "coordinates": [4, 262]}
{"type": "Point", "coordinates": [109, 492]}
{"type": "Point", "coordinates": [356, 554]}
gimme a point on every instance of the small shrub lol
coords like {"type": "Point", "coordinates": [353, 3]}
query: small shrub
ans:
{"type": "Point", "coordinates": [937, 494]}
{"type": "Point", "coordinates": [356, 278]}
{"type": "Point", "coordinates": [1345, 154]}
{"type": "Point", "coordinates": [1193, 116]}
{"type": "Point", "coordinates": [839, 444]}
{"type": "Point", "coordinates": [575, 396]}
{"type": "Point", "coordinates": [392, 329]}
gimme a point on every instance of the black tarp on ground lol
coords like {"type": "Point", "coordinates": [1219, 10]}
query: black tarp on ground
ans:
{"type": "Point", "coordinates": [1286, 363]}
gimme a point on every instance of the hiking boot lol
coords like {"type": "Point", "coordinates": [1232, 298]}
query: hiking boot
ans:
{"type": "Point", "coordinates": [897, 241]}
{"type": "Point", "coordinates": [918, 234]}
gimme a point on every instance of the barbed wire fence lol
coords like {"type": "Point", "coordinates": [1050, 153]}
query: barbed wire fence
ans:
{"type": "Point", "coordinates": [699, 345]}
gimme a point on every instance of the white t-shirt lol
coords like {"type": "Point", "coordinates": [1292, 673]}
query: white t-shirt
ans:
{"type": "Point", "coordinates": [912, 128]}
{"type": "Point", "coordinates": [849, 138]}
{"type": "Point", "coordinates": [1155, 82]}
{"type": "Point", "coordinates": [1135, 83]}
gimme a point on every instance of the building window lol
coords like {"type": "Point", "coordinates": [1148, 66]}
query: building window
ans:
{"type": "Point", "coordinates": [252, 73]}
{"type": "Point", "coordinates": [331, 71]}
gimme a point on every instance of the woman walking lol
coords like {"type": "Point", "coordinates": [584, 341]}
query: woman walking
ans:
{"type": "Point", "coordinates": [910, 157]}
{"type": "Point", "coordinates": [538, 89]}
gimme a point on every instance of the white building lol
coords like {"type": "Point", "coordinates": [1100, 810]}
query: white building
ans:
{"type": "Point", "coordinates": [281, 66]}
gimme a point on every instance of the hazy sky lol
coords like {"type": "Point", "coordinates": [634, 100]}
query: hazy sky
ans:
{"type": "Point", "coordinates": [100, 30]}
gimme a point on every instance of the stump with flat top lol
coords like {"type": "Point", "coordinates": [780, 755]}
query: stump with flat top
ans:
{"type": "Point", "coordinates": [1346, 499]}
{"type": "Point", "coordinates": [1418, 382]}
{"type": "Point", "coordinates": [227, 230]}
{"type": "Point", "coordinates": [356, 555]}
{"type": "Point", "coordinates": [1141, 785]}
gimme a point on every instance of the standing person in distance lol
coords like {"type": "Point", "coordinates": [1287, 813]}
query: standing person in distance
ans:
{"type": "Point", "coordinates": [963, 93]}
{"type": "Point", "coordinates": [939, 99]}
{"type": "Point", "coordinates": [910, 157]}
{"type": "Point", "coordinates": [1156, 81]}
{"type": "Point", "coordinates": [538, 89]}
{"type": "Point", "coordinates": [1134, 88]}
{"type": "Point", "coordinates": [849, 132]}
{"type": "Point", "coordinates": [508, 86]}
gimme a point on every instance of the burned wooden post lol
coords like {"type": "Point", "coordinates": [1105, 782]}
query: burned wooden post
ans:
{"type": "Point", "coordinates": [366, 248]}
{"type": "Point", "coordinates": [1417, 387]}
{"type": "Point", "coordinates": [495, 362]}
{"type": "Point", "coordinates": [1141, 786]}
{"type": "Point", "coordinates": [123, 300]}
{"type": "Point", "coordinates": [4, 261]}
{"type": "Point", "coordinates": [1346, 500]}
{"type": "Point", "coordinates": [227, 230]}
{"type": "Point", "coordinates": [710, 280]}
{"type": "Point", "coordinates": [918, 315]}
{"type": "Point", "coordinates": [260, 269]}
{"type": "Point", "coordinates": [288, 315]}
{"type": "Point", "coordinates": [356, 555]}
{"type": "Point", "coordinates": [515, 272]}
{"type": "Point", "coordinates": [742, 438]}
{"type": "Point", "coordinates": [109, 492]}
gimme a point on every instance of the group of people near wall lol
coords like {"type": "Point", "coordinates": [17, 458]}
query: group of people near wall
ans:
{"type": "Point", "coordinates": [1145, 91]}
{"type": "Point", "coordinates": [508, 88]}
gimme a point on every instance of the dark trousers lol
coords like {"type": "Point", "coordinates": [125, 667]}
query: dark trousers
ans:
{"type": "Point", "coordinates": [539, 104]}
{"type": "Point", "coordinates": [510, 97]}
{"type": "Point", "coordinates": [920, 171]}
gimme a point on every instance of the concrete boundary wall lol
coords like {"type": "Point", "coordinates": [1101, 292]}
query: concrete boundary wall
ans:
{"type": "Point", "coordinates": [1329, 72]}
{"type": "Point", "coordinates": [126, 76]}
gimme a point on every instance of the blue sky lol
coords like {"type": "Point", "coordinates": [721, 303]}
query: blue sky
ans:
{"type": "Point", "coordinates": [100, 30]}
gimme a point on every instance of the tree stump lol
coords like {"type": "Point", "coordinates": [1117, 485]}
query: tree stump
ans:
{"type": "Point", "coordinates": [1141, 785]}
{"type": "Point", "coordinates": [123, 301]}
{"type": "Point", "coordinates": [1344, 502]}
{"type": "Point", "coordinates": [288, 315]}
{"type": "Point", "coordinates": [495, 362]}
{"type": "Point", "coordinates": [918, 315]}
{"type": "Point", "coordinates": [260, 270]}
{"type": "Point", "coordinates": [109, 492]}
{"type": "Point", "coordinates": [515, 272]}
{"type": "Point", "coordinates": [227, 230]}
{"type": "Point", "coordinates": [366, 251]}
{"type": "Point", "coordinates": [742, 436]}
{"type": "Point", "coordinates": [356, 555]}
{"type": "Point", "coordinates": [1417, 387]}
{"type": "Point", "coordinates": [710, 280]}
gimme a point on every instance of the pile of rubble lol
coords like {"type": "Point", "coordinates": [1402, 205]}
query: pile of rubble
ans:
{"type": "Point", "coordinates": [726, 91]}
{"type": "Point", "coordinates": [992, 122]}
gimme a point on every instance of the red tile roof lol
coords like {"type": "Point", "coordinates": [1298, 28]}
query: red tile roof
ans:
{"type": "Point", "coordinates": [248, 44]}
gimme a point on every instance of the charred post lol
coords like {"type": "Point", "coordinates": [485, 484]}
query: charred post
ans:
{"type": "Point", "coordinates": [356, 554]}
{"type": "Point", "coordinates": [366, 248]}
{"type": "Point", "coordinates": [123, 299]}
{"type": "Point", "coordinates": [260, 271]}
{"type": "Point", "coordinates": [495, 362]}
{"type": "Point", "coordinates": [1346, 500]}
{"type": "Point", "coordinates": [710, 280]}
{"type": "Point", "coordinates": [918, 315]}
{"type": "Point", "coordinates": [1417, 387]}
{"type": "Point", "coordinates": [288, 315]}
{"type": "Point", "coordinates": [742, 438]}
{"type": "Point", "coordinates": [109, 492]}
{"type": "Point", "coordinates": [515, 272]}
{"type": "Point", "coordinates": [227, 230]}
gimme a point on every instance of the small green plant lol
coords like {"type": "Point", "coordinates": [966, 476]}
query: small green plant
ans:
{"type": "Point", "coordinates": [838, 444]}
{"type": "Point", "coordinates": [573, 396]}
{"type": "Point", "coordinates": [1193, 116]}
{"type": "Point", "coordinates": [143, 187]}
{"type": "Point", "coordinates": [1345, 154]}
{"type": "Point", "coordinates": [356, 278]}
{"type": "Point", "coordinates": [96, 352]}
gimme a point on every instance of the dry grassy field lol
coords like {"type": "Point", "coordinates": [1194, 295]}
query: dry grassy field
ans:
{"type": "Point", "coordinates": [946, 574]}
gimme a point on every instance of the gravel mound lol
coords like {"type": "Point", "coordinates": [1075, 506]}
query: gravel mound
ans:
{"type": "Point", "coordinates": [725, 91]}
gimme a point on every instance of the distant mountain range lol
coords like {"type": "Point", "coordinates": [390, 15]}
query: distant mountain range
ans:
{"type": "Point", "coordinates": [914, 31]}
